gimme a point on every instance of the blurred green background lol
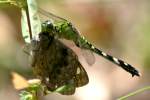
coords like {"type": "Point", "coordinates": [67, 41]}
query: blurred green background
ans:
{"type": "Point", "coordinates": [119, 27]}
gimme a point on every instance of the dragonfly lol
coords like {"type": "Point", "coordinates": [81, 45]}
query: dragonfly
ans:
{"type": "Point", "coordinates": [56, 64]}
{"type": "Point", "coordinates": [62, 28]}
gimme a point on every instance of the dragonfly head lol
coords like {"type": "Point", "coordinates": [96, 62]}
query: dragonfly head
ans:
{"type": "Point", "coordinates": [47, 26]}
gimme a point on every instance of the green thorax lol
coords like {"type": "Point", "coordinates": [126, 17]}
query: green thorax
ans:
{"type": "Point", "coordinates": [61, 29]}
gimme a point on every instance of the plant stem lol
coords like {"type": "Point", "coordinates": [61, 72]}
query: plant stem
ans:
{"type": "Point", "coordinates": [134, 93]}
{"type": "Point", "coordinates": [29, 22]}
{"type": "Point", "coordinates": [7, 1]}
{"type": "Point", "coordinates": [35, 96]}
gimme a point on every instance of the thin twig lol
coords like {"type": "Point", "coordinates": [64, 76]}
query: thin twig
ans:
{"type": "Point", "coordinates": [29, 23]}
{"type": "Point", "coordinates": [134, 93]}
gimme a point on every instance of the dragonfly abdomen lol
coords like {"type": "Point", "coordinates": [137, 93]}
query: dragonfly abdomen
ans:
{"type": "Point", "coordinates": [118, 62]}
{"type": "Point", "coordinates": [86, 45]}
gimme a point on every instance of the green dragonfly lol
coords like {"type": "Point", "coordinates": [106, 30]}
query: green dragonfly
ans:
{"type": "Point", "coordinates": [61, 28]}
{"type": "Point", "coordinates": [56, 64]}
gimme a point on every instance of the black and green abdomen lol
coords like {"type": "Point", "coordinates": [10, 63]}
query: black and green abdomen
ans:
{"type": "Point", "coordinates": [65, 30]}
{"type": "Point", "coordinates": [86, 45]}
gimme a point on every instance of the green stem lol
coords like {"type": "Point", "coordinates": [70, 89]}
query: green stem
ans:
{"type": "Point", "coordinates": [7, 1]}
{"type": "Point", "coordinates": [34, 94]}
{"type": "Point", "coordinates": [134, 93]}
{"type": "Point", "coordinates": [29, 23]}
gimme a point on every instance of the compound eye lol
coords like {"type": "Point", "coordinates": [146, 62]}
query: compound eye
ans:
{"type": "Point", "coordinates": [49, 24]}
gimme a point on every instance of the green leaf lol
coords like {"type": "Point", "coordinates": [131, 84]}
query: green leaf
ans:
{"type": "Point", "coordinates": [65, 88]}
{"type": "Point", "coordinates": [30, 20]}
{"type": "Point", "coordinates": [34, 17]}
{"type": "Point", "coordinates": [18, 3]}
{"type": "Point", "coordinates": [30, 93]}
{"type": "Point", "coordinates": [31, 24]}
{"type": "Point", "coordinates": [25, 27]}
{"type": "Point", "coordinates": [25, 95]}
{"type": "Point", "coordinates": [24, 23]}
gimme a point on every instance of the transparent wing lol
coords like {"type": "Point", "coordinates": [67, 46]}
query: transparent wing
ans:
{"type": "Point", "coordinates": [50, 15]}
{"type": "Point", "coordinates": [89, 56]}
